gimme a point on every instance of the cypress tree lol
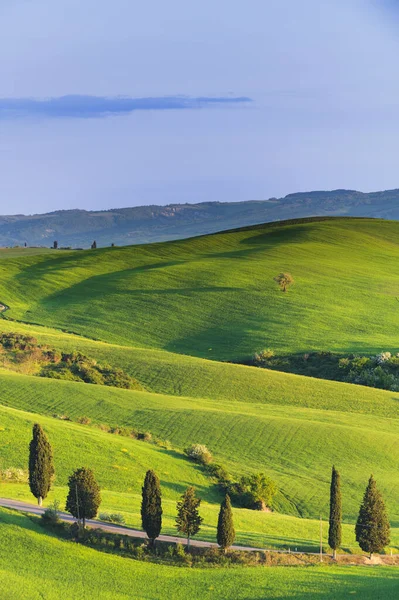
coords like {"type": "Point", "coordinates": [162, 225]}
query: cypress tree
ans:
{"type": "Point", "coordinates": [84, 496]}
{"type": "Point", "coordinates": [225, 532]}
{"type": "Point", "coordinates": [151, 507]}
{"type": "Point", "coordinates": [41, 467]}
{"type": "Point", "coordinates": [335, 527]}
{"type": "Point", "coordinates": [188, 519]}
{"type": "Point", "coordinates": [372, 527]}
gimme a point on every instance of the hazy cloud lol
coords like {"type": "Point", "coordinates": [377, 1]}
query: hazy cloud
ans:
{"type": "Point", "coordinates": [97, 106]}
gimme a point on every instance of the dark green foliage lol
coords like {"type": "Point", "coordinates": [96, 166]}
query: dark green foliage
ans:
{"type": "Point", "coordinates": [188, 520]}
{"type": "Point", "coordinates": [151, 506]}
{"type": "Point", "coordinates": [73, 366]}
{"type": "Point", "coordinates": [84, 496]}
{"type": "Point", "coordinates": [78, 367]}
{"type": "Point", "coordinates": [17, 341]}
{"type": "Point", "coordinates": [253, 491]}
{"type": "Point", "coordinates": [225, 529]}
{"type": "Point", "coordinates": [335, 525]}
{"type": "Point", "coordinates": [51, 514]}
{"type": "Point", "coordinates": [380, 371]}
{"type": "Point", "coordinates": [372, 527]}
{"type": "Point", "coordinates": [41, 467]}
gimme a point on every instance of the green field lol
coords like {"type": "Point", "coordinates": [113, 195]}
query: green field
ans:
{"type": "Point", "coordinates": [34, 565]}
{"type": "Point", "coordinates": [215, 297]}
{"type": "Point", "coordinates": [169, 314]}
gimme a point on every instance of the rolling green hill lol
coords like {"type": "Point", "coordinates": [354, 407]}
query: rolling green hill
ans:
{"type": "Point", "coordinates": [281, 438]}
{"type": "Point", "coordinates": [215, 296]}
{"type": "Point", "coordinates": [169, 314]}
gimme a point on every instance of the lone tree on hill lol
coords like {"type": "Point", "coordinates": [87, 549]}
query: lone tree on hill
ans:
{"type": "Point", "coordinates": [94, 245]}
{"type": "Point", "coordinates": [151, 507]}
{"type": "Point", "coordinates": [188, 519]}
{"type": "Point", "coordinates": [335, 527]}
{"type": "Point", "coordinates": [41, 467]}
{"type": "Point", "coordinates": [225, 532]}
{"type": "Point", "coordinates": [372, 526]}
{"type": "Point", "coordinates": [284, 281]}
{"type": "Point", "coordinates": [84, 495]}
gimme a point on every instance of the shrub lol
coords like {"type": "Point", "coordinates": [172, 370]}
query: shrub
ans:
{"type": "Point", "coordinates": [14, 475]}
{"type": "Point", "coordinates": [262, 357]}
{"type": "Point", "coordinates": [199, 453]}
{"type": "Point", "coordinates": [145, 436]}
{"type": "Point", "coordinates": [383, 357]}
{"type": "Point", "coordinates": [84, 420]}
{"type": "Point", "coordinates": [254, 491]}
{"type": "Point", "coordinates": [219, 472]}
{"type": "Point", "coordinates": [51, 514]}
{"type": "Point", "coordinates": [112, 518]}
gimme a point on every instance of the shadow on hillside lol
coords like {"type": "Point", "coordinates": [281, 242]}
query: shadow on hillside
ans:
{"type": "Point", "coordinates": [36, 271]}
{"type": "Point", "coordinates": [281, 235]}
{"type": "Point", "coordinates": [29, 522]}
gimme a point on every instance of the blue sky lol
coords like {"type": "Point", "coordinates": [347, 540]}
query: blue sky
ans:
{"type": "Point", "coordinates": [242, 100]}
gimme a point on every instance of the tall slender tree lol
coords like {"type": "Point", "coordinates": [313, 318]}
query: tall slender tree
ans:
{"type": "Point", "coordinates": [84, 496]}
{"type": "Point", "coordinates": [335, 523]}
{"type": "Point", "coordinates": [225, 531]}
{"type": "Point", "coordinates": [188, 519]}
{"type": "Point", "coordinates": [151, 507]}
{"type": "Point", "coordinates": [41, 466]}
{"type": "Point", "coordinates": [372, 527]}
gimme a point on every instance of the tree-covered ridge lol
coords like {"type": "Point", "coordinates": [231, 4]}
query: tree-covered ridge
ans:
{"type": "Point", "coordinates": [144, 224]}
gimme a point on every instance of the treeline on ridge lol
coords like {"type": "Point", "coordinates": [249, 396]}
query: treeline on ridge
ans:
{"type": "Point", "coordinates": [378, 371]}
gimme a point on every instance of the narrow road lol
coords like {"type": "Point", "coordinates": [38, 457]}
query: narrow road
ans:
{"type": "Point", "coordinates": [136, 533]}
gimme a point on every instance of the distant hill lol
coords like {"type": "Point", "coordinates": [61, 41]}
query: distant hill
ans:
{"type": "Point", "coordinates": [143, 224]}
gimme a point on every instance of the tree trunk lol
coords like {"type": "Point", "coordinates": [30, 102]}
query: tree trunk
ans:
{"type": "Point", "coordinates": [40, 500]}
{"type": "Point", "coordinates": [371, 555]}
{"type": "Point", "coordinates": [188, 542]}
{"type": "Point", "coordinates": [334, 554]}
{"type": "Point", "coordinates": [84, 522]}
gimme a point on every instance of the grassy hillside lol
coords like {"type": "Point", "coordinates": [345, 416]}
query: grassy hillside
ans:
{"type": "Point", "coordinates": [36, 565]}
{"type": "Point", "coordinates": [284, 440]}
{"type": "Point", "coordinates": [160, 312]}
{"type": "Point", "coordinates": [215, 296]}
{"type": "Point", "coordinates": [120, 465]}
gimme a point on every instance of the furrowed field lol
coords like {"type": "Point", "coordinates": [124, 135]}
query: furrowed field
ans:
{"type": "Point", "coordinates": [169, 314]}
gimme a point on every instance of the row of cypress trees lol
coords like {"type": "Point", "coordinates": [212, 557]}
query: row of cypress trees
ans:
{"type": "Point", "coordinates": [84, 497]}
{"type": "Point", "coordinates": [188, 520]}
{"type": "Point", "coordinates": [372, 526]}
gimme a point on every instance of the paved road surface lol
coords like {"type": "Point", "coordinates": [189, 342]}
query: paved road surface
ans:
{"type": "Point", "coordinates": [38, 510]}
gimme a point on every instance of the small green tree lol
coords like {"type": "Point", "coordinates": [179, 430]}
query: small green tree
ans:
{"type": "Point", "coordinates": [284, 281]}
{"type": "Point", "coordinates": [335, 526]}
{"type": "Point", "coordinates": [225, 531]}
{"type": "Point", "coordinates": [256, 490]}
{"type": "Point", "coordinates": [41, 467]}
{"type": "Point", "coordinates": [151, 507]}
{"type": "Point", "coordinates": [188, 520]}
{"type": "Point", "coordinates": [84, 497]}
{"type": "Point", "coordinates": [372, 527]}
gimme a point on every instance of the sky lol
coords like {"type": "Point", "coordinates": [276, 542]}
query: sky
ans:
{"type": "Point", "coordinates": [113, 104]}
